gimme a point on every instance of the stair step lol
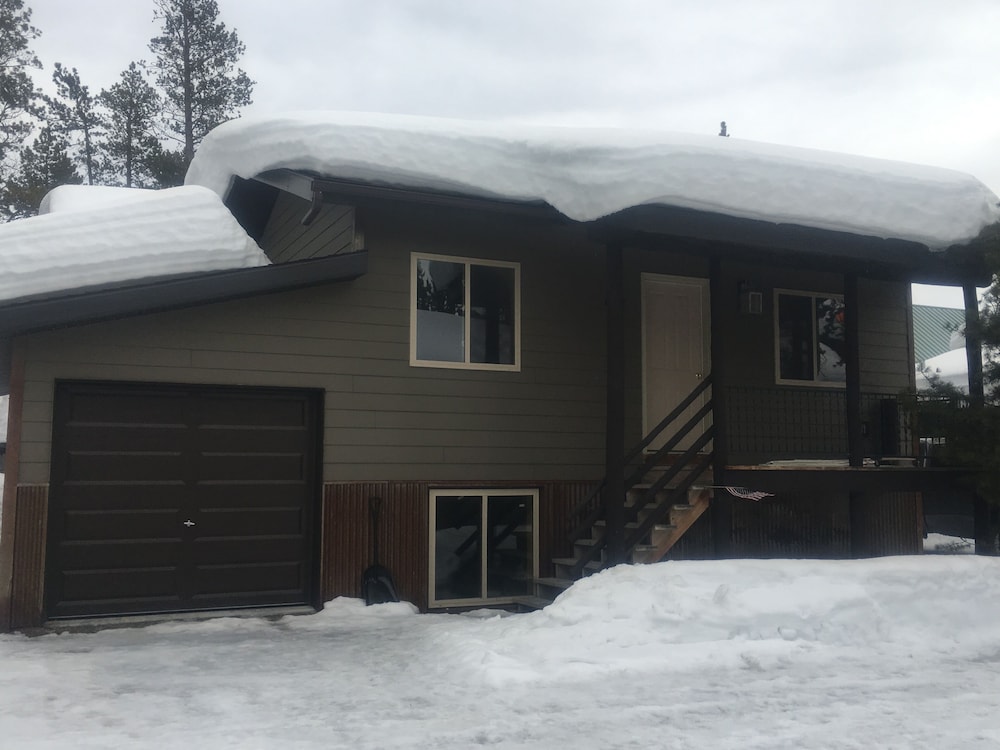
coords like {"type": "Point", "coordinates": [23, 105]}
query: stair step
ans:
{"type": "Point", "coordinates": [566, 565]}
{"type": "Point", "coordinates": [532, 602]}
{"type": "Point", "coordinates": [555, 583]}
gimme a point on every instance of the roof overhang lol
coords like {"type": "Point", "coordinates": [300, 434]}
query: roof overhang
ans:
{"type": "Point", "coordinates": [655, 226]}
{"type": "Point", "coordinates": [94, 304]}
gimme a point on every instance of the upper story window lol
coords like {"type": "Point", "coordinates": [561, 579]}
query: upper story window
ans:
{"type": "Point", "coordinates": [465, 313]}
{"type": "Point", "coordinates": [810, 341]}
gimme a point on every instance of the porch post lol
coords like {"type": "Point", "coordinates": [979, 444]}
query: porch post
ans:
{"type": "Point", "coordinates": [722, 502]}
{"type": "Point", "coordinates": [982, 511]}
{"type": "Point", "coordinates": [973, 346]}
{"type": "Point", "coordinates": [855, 435]}
{"type": "Point", "coordinates": [614, 459]}
{"type": "Point", "coordinates": [852, 315]}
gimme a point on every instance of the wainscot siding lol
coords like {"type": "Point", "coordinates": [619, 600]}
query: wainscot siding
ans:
{"type": "Point", "coordinates": [403, 531]}
{"type": "Point", "coordinates": [29, 556]}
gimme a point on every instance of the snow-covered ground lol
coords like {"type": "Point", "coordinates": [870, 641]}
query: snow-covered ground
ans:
{"type": "Point", "coordinates": [888, 653]}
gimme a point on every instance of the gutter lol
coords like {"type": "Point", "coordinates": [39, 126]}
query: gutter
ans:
{"type": "Point", "coordinates": [124, 299]}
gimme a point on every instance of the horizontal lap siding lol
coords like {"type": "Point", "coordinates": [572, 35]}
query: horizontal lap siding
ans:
{"type": "Point", "coordinates": [886, 337]}
{"type": "Point", "coordinates": [384, 420]}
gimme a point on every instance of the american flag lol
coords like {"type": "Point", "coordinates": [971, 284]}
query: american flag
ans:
{"type": "Point", "coordinates": [745, 493]}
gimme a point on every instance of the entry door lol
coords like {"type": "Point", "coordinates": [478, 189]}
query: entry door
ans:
{"type": "Point", "coordinates": [675, 348]}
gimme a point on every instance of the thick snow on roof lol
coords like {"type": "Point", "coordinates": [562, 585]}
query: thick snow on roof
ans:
{"type": "Point", "coordinates": [590, 173]}
{"type": "Point", "coordinates": [93, 235]}
{"type": "Point", "coordinates": [951, 367]}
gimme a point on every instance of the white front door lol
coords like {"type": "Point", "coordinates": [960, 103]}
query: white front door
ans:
{"type": "Point", "coordinates": [675, 349]}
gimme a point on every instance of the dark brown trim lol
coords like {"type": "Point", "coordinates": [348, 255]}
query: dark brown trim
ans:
{"type": "Point", "coordinates": [94, 304]}
{"type": "Point", "coordinates": [852, 324]}
{"type": "Point", "coordinates": [12, 472]}
{"type": "Point", "coordinates": [789, 245]}
{"type": "Point", "coordinates": [843, 479]}
{"type": "Point", "coordinates": [354, 193]}
{"type": "Point", "coordinates": [722, 506]}
{"type": "Point", "coordinates": [614, 444]}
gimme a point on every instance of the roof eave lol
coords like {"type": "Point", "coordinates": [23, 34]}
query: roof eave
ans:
{"type": "Point", "coordinates": [80, 306]}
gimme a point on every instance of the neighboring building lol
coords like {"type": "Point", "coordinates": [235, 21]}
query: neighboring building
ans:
{"type": "Point", "coordinates": [473, 324]}
{"type": "Point", "coordinates": [936, 330]}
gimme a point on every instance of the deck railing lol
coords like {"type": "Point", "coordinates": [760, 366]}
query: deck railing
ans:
{"type": "Point", "coordinates": [769, 423]}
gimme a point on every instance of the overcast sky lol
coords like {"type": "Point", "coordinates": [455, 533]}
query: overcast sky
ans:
{"type": "Point", "coordinates": [914, 80]}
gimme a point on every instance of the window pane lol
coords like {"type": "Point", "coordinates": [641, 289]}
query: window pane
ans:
{"type": "Point", "coordinates": [509, 545]}
{"type": "Point", "coordinates": [457, 548]}
{"type": "Point", "coordinates": [832, 341]}
{"type": "Point", "coordinates": [796, 321]}
{"type": "Point", "coordinates": [491, 295]}
{"type": "Point", "coordinates": [440, 311]}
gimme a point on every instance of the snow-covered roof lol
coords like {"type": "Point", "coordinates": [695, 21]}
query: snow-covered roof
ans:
{"type": "Point", "coordinates": [89, 236]}
{"type": "Point", "coordinates": [590, 173]}
{"type": "Point", "coordinates": [951, 368]}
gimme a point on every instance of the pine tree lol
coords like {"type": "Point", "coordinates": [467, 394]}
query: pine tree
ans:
{"type": "Point", "coordinates": [74, 111]}
{"type": "Point", "coordinates": [196, 65]}
{"type": "Point", "coordinates": [17, 93]}
{"type": "Point", "coordinates": [45, 164]}
{"type": "Point", "coordinates": [130, 144]}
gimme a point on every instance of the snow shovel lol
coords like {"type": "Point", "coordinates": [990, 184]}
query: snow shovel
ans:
{"type": "Point", "coordinates": [376, 582]}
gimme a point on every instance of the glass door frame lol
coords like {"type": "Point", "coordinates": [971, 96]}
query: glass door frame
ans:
{"type": "Point", "coordinates": [484, 496]}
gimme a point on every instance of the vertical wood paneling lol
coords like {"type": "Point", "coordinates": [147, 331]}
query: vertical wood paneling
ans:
{"type": "Point", "coordinates": [29, 556]}
{"type": "Point", "coordinates": [556, 500]}
{"type": "Point", "coordinates": [347, 539]}
{"type": "Point", "coordinates": [403, 531]}
{"type": "Point", "coordinates": [892, 524]}
{"type": "Point", "coordinates": [404, 539]}
{"type": "Point", "coordinates": [808, 524]}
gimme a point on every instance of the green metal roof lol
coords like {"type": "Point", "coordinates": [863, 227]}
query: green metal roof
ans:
{"type": "Point", "coordinates": [932, 327]}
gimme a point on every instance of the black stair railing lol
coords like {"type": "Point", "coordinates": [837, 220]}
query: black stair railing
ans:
{"type": "Point", "coordinates": [592, 508]}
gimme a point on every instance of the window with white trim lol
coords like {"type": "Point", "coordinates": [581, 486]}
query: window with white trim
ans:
{"type": "Point", "coordinates": [810, 338]}
{"type": "Point", "coordinates": [465, 313]}
{"type": "Point", "coordinates": [483, 545]}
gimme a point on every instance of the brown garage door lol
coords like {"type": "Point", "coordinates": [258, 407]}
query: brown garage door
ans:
{"type": "Point", "coordinates": [179, 498]}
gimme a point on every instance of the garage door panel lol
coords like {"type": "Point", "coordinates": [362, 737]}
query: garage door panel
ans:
{"type": "Point", "coordinates": [250, 467]}
{"type": "Point", "coordinates": [115, 407]}
{"type": "Point", "coordinates": [170, 498]}
{"type": "Point", "coordinates": [278, 578]}
{"type": "Point", "coordinates": [121, 555]}
{"type": "Point", "coordinates": [93, 466]}
{"type": "Point", "coordinates": [251, 522]}
{"type": "Point", "coordinates": [97, 496]}
{"type": "Point", "coordinates": [235, 495]}
{"type": "Point", "coordinates": [237, 550]}
{"type": "Point", "coordinates": [90, 585]}
{"type": "Point", "coordinates": [121, 524]}
{"type": "Point", "coordinates": [233, 411]}
{"type": "Point", "coordinates": [99, 438]}
{"type": "Point", "coordinates": [253, 440]}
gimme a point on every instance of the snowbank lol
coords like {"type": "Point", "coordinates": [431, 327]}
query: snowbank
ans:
{"type": "Point", "coordinates": [590, 173]}
{"type": "Point", "coordinates": [93, 236]}
{"type": "Point", "coordinates": [688, 615]}
{"type": "Point", "coordinates": [780, 654]}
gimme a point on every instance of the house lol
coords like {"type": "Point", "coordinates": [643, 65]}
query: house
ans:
{"type": "Point", "coordinates": [936, 330]}
{"type": "Point", "coordinates": [542, 350]}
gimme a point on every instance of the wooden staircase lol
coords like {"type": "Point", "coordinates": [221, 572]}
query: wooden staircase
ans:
{"type": "Point", "coordinates": [666, 491]}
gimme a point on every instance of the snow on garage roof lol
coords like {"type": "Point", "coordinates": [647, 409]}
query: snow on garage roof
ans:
{"type": "Point", "coordinates": [590, 173]}
{"type": "Point", "coordinates": [99, 235]}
